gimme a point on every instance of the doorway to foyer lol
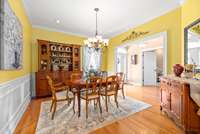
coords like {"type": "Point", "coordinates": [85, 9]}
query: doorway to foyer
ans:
{"type": "Point", "coordinates": [143, 61]}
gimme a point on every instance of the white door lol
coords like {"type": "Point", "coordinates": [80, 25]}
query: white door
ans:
{"type": "Point", "coordinates": [121, 63]}
{"type": "Point", "coordinates": [149, 66]}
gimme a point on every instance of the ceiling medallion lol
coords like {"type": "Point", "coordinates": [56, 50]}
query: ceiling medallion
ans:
{"type": "Point", "coordinates": [134, 35]}
{"type": "Point", "coordinates": [97, 41]}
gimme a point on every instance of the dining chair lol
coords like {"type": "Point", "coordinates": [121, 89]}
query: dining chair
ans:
{"type": "Point", "coordinates": [120, 78]}
{"type": "Point", "coordinates": [59, 93]}
{"type": "Point", "coordinates": [111, 89]}
{"type": "Point", "coordinates": [92, 92]}
{"type": "Point", "coordinates": [75, 76]}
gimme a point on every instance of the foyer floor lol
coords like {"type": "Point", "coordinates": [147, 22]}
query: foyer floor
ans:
{"type": "Point", "coordinates": [149, 121]}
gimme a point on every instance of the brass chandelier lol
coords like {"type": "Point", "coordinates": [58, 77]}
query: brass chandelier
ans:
{"type": "Point", "coordinates": [97, 41]}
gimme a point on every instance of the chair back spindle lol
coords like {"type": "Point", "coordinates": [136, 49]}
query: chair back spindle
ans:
{"type": "Point", "coordinates": [93, 86]}
{"type": "Point", "coordinates": [50, 83]}
{"type": "Point", "coordinates": [111, 83]}
{"type": "Point", "coordinates": [120, 79]}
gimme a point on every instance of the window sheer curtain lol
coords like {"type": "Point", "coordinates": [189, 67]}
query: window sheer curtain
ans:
{"type": "Point", "coordinates": [91, 59]}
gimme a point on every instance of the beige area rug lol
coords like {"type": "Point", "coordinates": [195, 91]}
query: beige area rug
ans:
{"type": "Point", "coordinates": [66, 122]}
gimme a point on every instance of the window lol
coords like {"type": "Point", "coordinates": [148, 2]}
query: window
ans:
{"type": "Point", "coordinates": [91, 59]}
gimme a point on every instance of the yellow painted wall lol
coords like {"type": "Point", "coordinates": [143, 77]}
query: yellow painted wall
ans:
{"type": "Point", "coordinates": [17, 6]}
{"type": "Point", "coordinates": [190, 13]}
{"type": "Point", "coordinates": [44, 34]}
{"type": "Point", "coordinates": [104, 60]}
{"type": "Point", "coordinates": [170, 22]}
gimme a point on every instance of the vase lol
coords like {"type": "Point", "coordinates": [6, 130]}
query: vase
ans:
{"type": "Point", "coordinates": [178, 70]}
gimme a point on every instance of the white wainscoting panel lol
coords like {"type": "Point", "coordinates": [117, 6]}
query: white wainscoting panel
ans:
{"type": "Point", "coordinates": [14, 99]}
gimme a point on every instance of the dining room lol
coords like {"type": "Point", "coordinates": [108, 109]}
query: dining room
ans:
{"type": "Point", "coordinates": [86, 98]}
{"type": "Point", "coordinates": [69, 67]}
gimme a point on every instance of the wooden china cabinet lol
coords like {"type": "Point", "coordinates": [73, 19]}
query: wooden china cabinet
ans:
{"type": "Point", "coordinates": [178, 105]}
{"type": "Point", "coordinates": [57, 60]}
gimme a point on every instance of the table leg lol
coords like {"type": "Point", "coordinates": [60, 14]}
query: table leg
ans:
{"type": "Point", "coordinates": [79, 101]}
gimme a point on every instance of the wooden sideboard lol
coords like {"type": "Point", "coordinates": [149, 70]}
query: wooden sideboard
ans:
{"type": "Point", "coordinates": [178, 105]}
{"type": "Point", "coordinates": [42, 89]}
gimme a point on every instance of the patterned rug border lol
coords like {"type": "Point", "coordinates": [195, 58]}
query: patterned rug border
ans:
{"type": "Point", "coordinates": [123, 117]}
{"type": "Point", "coordinates": [147, 106]}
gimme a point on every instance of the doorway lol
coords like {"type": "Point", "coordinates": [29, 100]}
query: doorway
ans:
{"type": "Point", "coordinates": [152, 66]}
{"type": "Point", "coordinates": [121, 64]}
{"type": "Point", "coordinates": [146, 59]}
{"type": "Point", "coordinates": [149, 66]}
{"type": "Point", "coordinates": [121, 60]}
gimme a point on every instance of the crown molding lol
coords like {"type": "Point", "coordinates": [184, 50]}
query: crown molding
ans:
{"type": "Point", "coordinates": [59, 31]}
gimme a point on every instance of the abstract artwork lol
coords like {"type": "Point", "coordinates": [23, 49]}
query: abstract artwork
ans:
{"type": "Point", "coordinates": [11, 37]}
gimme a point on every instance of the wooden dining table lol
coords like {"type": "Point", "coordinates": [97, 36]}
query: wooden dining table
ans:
{"type": "Point", "coordinates": [79, 84]}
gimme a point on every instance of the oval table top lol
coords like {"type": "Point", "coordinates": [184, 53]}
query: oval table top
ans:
{"type": "Point", "coordinates": [80, 82]}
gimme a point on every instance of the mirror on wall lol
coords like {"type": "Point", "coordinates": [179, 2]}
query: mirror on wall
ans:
{"type": "Point", "coordinates": [192, 44]}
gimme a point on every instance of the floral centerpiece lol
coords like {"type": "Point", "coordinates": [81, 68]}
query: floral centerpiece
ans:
{"type": "Point", "coordinates": [91, 72]}
{"type": "Point", "coordinates": [189, 67]}
{"type": "Point", "coordinates": [197, 76]}
{"type": "Point", "coordinates": [189, 70]}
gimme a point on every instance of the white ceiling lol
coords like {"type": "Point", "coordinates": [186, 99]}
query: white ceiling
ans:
{"type": "Point", "coordinates": [77, 16]}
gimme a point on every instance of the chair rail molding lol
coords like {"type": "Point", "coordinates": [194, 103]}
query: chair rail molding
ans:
{"type": "Point", "coordinates": [14, 99]}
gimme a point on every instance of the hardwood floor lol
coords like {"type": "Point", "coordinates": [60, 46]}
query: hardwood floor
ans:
{"type": "Point", "coordinates": [149, 121]}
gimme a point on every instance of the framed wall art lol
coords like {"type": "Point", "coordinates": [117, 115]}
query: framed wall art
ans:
{"type": "Point", "coordinates": [11, 38]}
{"type": "Point", "coordinates": [134, 59]}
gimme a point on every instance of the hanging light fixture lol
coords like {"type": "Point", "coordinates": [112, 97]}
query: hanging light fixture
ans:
{"type": "Point", "coordinates": [97, 41]}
